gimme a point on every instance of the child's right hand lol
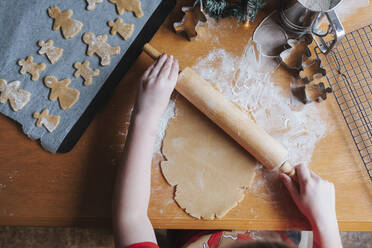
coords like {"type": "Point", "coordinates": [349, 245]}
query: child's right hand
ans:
{"type": "Point", "coordinates": [315, 197]}
{"type": "Point", "coordinates": [155, 88]}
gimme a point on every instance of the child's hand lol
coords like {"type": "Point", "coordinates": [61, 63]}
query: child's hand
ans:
{"type": "Point", "coordinates": [156, 86]}
{"type": "Point", "coordinates": [315, 197]}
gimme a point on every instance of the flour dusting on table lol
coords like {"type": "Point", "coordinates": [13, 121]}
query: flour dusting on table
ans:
{"type": "Point", "coordinates": [168, 114]}
{"type": "Point", "coordinates": [241, 79]}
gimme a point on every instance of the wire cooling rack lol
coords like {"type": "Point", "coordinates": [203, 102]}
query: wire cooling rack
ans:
{"type": "Point", "coordinates": [349, 74]}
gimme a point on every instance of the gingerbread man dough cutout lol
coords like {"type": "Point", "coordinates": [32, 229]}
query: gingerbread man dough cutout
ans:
{"type": "Point", "coordinates": [62, 20]}
{"type": "Point", "coordinates": [125, 30]}
{"type": "Point", "coordinates": [128, 5]}
{"type": "Point", "coordinates": [98, 45]}
{"type": "Point", "coordinates": [52, 53]}
{"type": "Point", "coordinates": [10, 92]}
{"type": "Point", "coordinates": [28, 66]}
{"type": "Point", "coordinates": [92, 4]}
{"type": "Point", "coordinates": [66, 96]}
{"type": "Point", "coordinates": [50, 122]}
{"type": "Point", "coordinates": [83, 70]}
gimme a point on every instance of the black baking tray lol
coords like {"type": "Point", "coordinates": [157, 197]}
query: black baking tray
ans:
{"type": "Point", "coordinates": [146, 34]}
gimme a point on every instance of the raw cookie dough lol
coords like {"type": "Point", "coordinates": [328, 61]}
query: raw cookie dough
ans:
{"type": "Point", "coordinates": [28, 66]}
{"type": "Point", "coordinates": [128, 5]}
{"type": "Point", "coordinates": [10, 92]}
{"type": "Point", "coordinates": [210, 170]}
{"type": "Point", "coordinates": [83, 70]}
{"type": "Point", "coordinates": [50, 122]}
{"type": "Point", "coordinates": [125, 30]}
{"type": "Point", "coordinates": [98, 45]}
{"type": "Point", "coordinates": [63, 21]}
{"type": "Point", "coordinates": [66, 96]}
{"type": "Point", "coordinates": [53, 53]}
{"type": "Point", "coordinates": [92, 4]}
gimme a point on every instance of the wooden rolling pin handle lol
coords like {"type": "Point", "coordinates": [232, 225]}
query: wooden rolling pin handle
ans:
{"type": "Point", "coordinates": [288, 169]}
{"type": "Point", "coordinates": [152, 52]}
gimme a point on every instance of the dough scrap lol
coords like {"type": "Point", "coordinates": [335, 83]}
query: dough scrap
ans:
{"type": "Point", "coordinates": [210, 171]}
{"type": "Point", "coordinates": [28, 66]}
{"type": "Point", "coordinates": [98, 45]}
{"type": "Point", "coordinates": [67, 97]}
{"type": "Point", "coordinates": [92, 4]}
{"type": "Point", "coordinates": [52, 53]}
{"type": "Point", "coordinates": [50, 122]}
{"type": "Point", "coordinates": [62, 20]}
{"type": "Point", "coordinates": [128, 5]}
{"type": "Point", "coordinates": [17, 98]}
{"type": "Point", "coordinates": [83, 70]}
{"type": "Point", "coordinates": [125, 30]}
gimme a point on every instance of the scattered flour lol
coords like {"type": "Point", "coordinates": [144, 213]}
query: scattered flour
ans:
{"type": "Point", "coordinates": [241, 79]}
{"type": "Point", "coordinates": [163, 125]}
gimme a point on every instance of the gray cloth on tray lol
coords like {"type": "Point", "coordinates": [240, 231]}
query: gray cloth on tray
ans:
{"type": "Point", "coordinates": [23, 23]}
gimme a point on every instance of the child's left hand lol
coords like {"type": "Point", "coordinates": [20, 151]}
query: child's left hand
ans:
{"type": "Point", "coordinates": [156, 87]}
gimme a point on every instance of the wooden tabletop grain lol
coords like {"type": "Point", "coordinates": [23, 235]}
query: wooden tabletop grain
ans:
{"type": "Point", "coordinates": [42, 189]}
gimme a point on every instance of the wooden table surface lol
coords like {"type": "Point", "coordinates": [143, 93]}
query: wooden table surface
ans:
{"type": "Point", "coordinates": [41, 189]}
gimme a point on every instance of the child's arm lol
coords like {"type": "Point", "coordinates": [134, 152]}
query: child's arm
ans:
{"type": "Point", "coordinates": [132, 188]}
{"type": "Point", "coordinates": [315, 198]}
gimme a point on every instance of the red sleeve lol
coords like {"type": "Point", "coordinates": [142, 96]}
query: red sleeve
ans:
{"type": "Point", "coordinates": [144, 245]}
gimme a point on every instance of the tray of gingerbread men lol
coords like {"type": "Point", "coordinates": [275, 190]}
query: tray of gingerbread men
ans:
{"type": "Point", "coordinates": [60, 60]}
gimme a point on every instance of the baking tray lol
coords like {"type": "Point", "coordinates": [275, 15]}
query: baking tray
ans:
{"type": "Point", "coordinates": [146, 34]}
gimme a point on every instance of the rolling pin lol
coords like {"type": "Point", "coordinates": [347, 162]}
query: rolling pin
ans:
{"type": "Point", "coordinates": [230, 118]}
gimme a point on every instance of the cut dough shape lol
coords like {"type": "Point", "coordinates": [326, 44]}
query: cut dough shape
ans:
{"type": "Point", "coordinates": [67, 97]}
{"type": "Point", "coordinates": [92, 4]}
{"type": "Point", "coordinates": [125, 30]}
{"type": "Point", "coordinates": [98, 45]}
{"type": "Point", "coordinates": [10, 92]}
{"type": "Point", "coordinates": [62, 20]}
{"type": "Point", "coordinates": [210, 170]}
{"type": "Point", "coordinates": [28, 66]}
{"type": "Point", "coordinates": [128, 5]}
{"type": "Point", "coordinates": [83, 70]}
{"type": "Point", "coordinates": [50, 122]}
{"type": "Point", "coordinates": [52, 53]}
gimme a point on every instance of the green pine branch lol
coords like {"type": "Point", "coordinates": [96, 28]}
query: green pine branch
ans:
{"type": "Point", "coordinates": [228, 9]}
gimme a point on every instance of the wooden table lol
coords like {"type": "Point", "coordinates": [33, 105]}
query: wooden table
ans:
{"type": "Point", "coordinates": [41, 189]}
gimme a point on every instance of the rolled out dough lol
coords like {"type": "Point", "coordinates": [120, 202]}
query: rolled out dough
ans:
{"type": "Point", "coordinates": [210, 171]}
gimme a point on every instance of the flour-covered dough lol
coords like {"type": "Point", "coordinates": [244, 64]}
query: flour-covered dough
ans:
{"type": "Point", "coordinates": [210, 170]}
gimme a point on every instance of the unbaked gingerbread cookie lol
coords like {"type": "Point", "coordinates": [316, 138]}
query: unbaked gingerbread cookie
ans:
{"type": "Point", "coordinates": [50, 122]}
{"type": "Point", "coordinates": [17, 98]}
{"type": "Point", "coordinates": [128, 5]}
{"type": "Point", "coordinates": [83, 70]}
{"type": "Point", "coordinates": [28, 66]}
{"type": "Point", "coordinates": [52, 53]}
{"type": "Point", "coordinates": [125, 30]}
{"type": "Point", "coordinates": [66, 96]}
{"type": "Point", "coordinates": [92, 4]}
{"type": "Point", "coordinates": [62, 20]}
{"type": "Point", "coordinates": [98, 45]}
